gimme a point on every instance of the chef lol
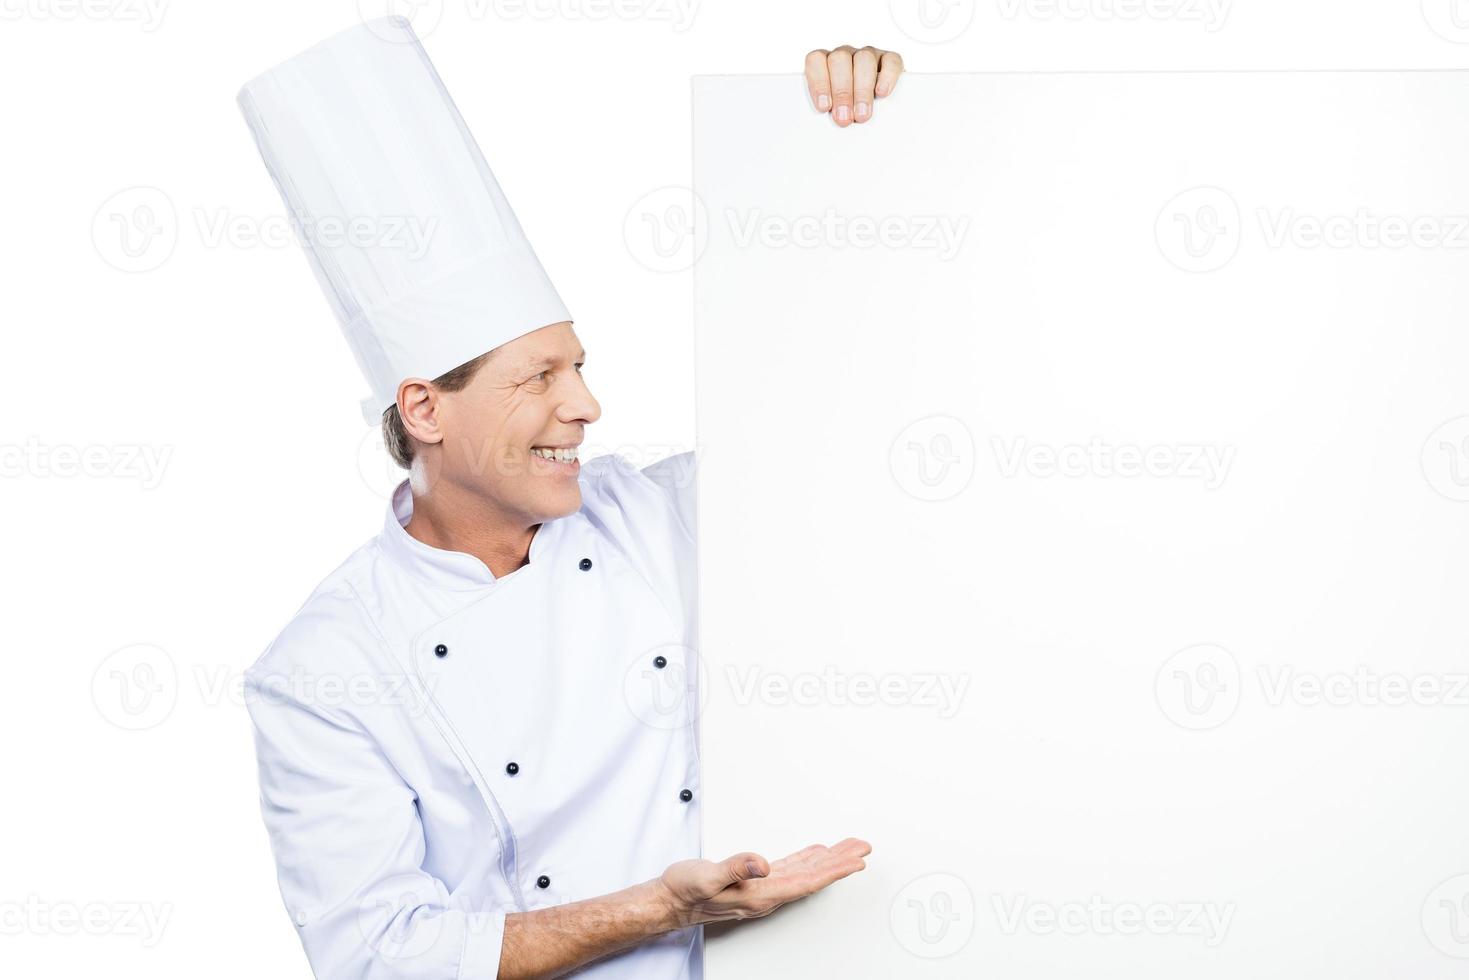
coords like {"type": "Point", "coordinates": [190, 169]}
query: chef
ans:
{"type": "Point", "coordinates": [477, 739]}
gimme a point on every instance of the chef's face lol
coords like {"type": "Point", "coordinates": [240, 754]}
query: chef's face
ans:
{"type": "Point", "coordinates": [527, 402]}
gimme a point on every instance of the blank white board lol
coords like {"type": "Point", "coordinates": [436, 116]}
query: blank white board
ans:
{"type": "Point", "coordinates": [1084, 521]}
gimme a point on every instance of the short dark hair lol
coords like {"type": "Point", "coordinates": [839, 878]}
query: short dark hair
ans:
{"type": "Point", "coordinates": [396, 438]}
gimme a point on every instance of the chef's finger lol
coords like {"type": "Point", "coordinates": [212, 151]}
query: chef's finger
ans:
{"type": "Point", "coordinates": [853, 845]}
{"type": "Point", "coordinates": [830, 868]}
{"type": "Point", "coordinates": [836, 867]}
{"type": "Point", "coordinates": [818, 82]}
{"type": "Point", "coordinates": [864, 81]}
{"type": "Point", "coordinates": [804, 855]}
{"type": "Point", "coordinates": [743, 867]}
{"type": "Point", "coordinates": [890, 66]}
{"type": "Point", "coordinates": [839, 68]}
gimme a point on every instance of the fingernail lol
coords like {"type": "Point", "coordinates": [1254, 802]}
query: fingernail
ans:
{"type": "Point", "coordinates": [752, 869]}
{"type": "Point", "coordinates": [844, 114]}
{"type": "Point", "coordinates": [823, 102]}
{"type": "Point", "coordinates": [862, 109]}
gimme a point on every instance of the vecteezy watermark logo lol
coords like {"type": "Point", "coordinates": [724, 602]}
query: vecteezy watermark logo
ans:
{"type": "Point", "coordinates": [221, 684]}
{"type": "Point", "coordinates": [1201, 688]}
{"type": "Point", "coordinates": [37, 460]}
{"type": "Point", "coordinates": [1210, 14]}
{"type": "Point", "coordinates": [940, 693]}
{"type": "Point", "coordinates": [678, 13]}
{"type": "Point", "coordinates": [379, 473]}
{"type": "Point", "coordinates": [1098, 916]}
{"type": "Point", "coordinates": [1199, 230]}
{"type": "Point", "coordinates": [680, 463]}
{"type": "Point", "coordinates": [1362, 687]}
{"type": "Point", "coordinates": [1198, 688]}
{"type": "Point", "coordinates": [1448, 18]}
{"type": "Point", "coordinates": [424, 15]}
{"type": "Point", "coordinates": [1363, 229]}
{"type": "Point", "coordinates": [385, 922]}
{"type": "Point", "coordinates": [662, 688]}
{"type": "Point", "coordinates": [1098, 459]}
{"type": "Point", "coordinates": [1445, 459]}
{"type": "Point", "coordinates": [409, 234]}
{"type": "Point", "coordinates": [933, 458]}
{"type": "Point", "coordinates": [941, 234]}
{"type": "Point", "coordinates": [667, 229]}
{"type": "Point", "coordinates": [148, 14]}
{"type": "Point", "coordinates": [933, 916]}
{"type": "Point", "coordinates": [932, 21]}
{"type": "Point", "coordinates": [1446, 917]}
{"type": "Point", "coordinates": [37, 917]}
{"type": "Point", "coordinates": [136, 229]}
{"type": "Point", "coordinates": [136, 687]}
{"type": "Point", "coordinates": [390, 927]}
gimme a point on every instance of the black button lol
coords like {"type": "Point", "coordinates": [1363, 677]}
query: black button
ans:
{"type": "Point", "coordinates": [512, 768]}
{"type": "Point", "coordinates": [543, 882]}
{"type": "Point", "coordinates": [660, 661]}
{"type": "Point", "coordinates": [685, 795]}
{"type": "Point", "coordinates": [441, 651]}
{"type": "Point", "coordinates": [584, 564]}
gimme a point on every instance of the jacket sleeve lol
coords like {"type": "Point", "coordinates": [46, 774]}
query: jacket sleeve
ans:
{"type": "Point", "coordinates": [677, 474]}
{"type": "Point", "coordinates": [349, 848]}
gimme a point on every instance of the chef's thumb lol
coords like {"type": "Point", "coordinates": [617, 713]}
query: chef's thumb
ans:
{"type": "Point", "coordinates": [745, 865]}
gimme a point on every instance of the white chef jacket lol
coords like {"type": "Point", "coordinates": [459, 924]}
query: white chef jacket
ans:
{"type": "Point", "coordinates": [439, 747]}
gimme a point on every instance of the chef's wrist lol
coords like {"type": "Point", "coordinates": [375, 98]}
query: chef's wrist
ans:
{"type": "Point", "coordinates": [667, 913]}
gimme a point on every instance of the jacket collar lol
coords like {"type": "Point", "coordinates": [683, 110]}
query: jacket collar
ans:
{"type": "Point", "coordinates": [444, 569]}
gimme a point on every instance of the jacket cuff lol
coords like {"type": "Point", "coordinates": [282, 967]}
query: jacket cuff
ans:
{"type": "Point", "coordinates": [484, 937]}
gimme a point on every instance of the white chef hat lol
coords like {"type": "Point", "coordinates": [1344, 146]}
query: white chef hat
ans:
{"type": "Point", "coordinates": [407, 231]}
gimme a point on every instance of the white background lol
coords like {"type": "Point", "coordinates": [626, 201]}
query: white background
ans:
{"type": "Point", "coordinates": [218, 357]}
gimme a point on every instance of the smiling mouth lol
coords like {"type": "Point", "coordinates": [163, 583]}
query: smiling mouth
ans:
{"type": "Point", "coordinates": [566, 455]}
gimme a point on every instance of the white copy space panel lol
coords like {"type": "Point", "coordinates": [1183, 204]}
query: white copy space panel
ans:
{"type": "Point", "coordinates": [1083, 522]}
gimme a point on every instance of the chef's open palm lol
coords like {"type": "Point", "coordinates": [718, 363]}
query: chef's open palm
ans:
{"type": "Point", "coordinates": [746, 886]}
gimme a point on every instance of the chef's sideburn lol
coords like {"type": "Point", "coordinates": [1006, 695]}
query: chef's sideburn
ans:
{"type": "Point", "coordinates": [396, 439]}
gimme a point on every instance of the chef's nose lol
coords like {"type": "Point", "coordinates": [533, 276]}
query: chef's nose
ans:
{"type": "Point", "coordinates": [579, 404]}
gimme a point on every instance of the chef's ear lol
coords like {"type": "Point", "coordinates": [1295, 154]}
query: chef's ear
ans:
{"type": "Point", "coordinates": [418, 407]}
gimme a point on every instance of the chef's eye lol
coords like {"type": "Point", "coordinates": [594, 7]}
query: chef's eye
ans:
{"type": "Point", "coordinates": [540, 377]}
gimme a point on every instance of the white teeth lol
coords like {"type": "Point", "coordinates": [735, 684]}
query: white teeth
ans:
{"type": "Point", "coordinates": [559, 455]}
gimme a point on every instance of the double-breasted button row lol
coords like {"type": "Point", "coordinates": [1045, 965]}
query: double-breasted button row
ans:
{"type": "Point", "coordinates": [511, 768]}
{"type": "Point", "coordinates": [441, 650]}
